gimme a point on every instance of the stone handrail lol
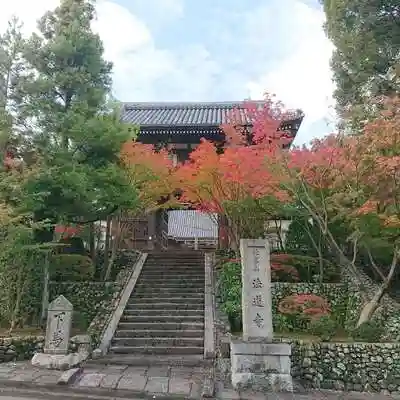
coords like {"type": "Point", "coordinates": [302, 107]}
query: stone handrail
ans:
{"type": "Point", "coordinates": [122, 300]}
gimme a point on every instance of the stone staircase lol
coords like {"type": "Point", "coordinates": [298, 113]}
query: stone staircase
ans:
{"type": "Point", "coordinates": [163, 322]}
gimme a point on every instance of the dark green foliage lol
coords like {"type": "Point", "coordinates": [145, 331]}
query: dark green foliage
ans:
{"type": "Point", "coordinates": [309, 268]}
{"type": "Point", "coordinates": [21, 276]}
{"type": "Point", "coordinates": [75, 142]}
{"type": "Point", "coordinates": [324, 327]}
{"type": "Point", "coordinates": [122, 260]}
{"type": "Point", "coordinates": [230, 289]}
{"type": "Point", "coordinates": [366, 35]}
{"type": "Point", "coordinates": [370, 331]}
{"type": "Point", "coordinates": [72, 245]}
{"type": "Point", "coordinates": [71, 267]}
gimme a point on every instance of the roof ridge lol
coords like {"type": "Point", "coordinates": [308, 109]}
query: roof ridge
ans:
{"type": "Point", "coordinates": [188, 104]}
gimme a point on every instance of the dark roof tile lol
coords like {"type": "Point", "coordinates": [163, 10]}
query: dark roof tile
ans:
{"type": "Point", "coordinates": [184, 114]}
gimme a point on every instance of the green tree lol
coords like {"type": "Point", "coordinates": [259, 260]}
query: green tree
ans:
{"type": "Point", "coordinates": [75, 134]}
{"type": "Point", "coordinates": [366, 35]}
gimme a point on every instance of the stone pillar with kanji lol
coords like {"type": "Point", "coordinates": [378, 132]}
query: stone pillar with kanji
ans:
{"type": "Point", "coordinates": [258, 363]}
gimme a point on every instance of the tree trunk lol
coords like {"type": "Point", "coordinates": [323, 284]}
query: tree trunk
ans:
{"type": "Point", "coordinates": [17, 305]}
{"type": "Point", "coordinates": [369, 308]}
{"type": "Point", "coordinates": [45, 293]}
{"type": "Point", "coordinates": [92, 246]}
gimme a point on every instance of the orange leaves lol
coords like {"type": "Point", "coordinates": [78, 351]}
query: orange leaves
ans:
{"type": "Point", "coordinates": [248, 166]}
{"type": "Point", "coordinates": [151, 171]}
{"type": "Point", "coordinates": [209, 179]}
{"type": "Point", "coordinates": [358, 174]}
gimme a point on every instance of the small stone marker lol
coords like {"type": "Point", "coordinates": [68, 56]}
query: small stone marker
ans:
{"type": "Point", "coordinates": [58, 330]}
{"type": "Point", "coordinates": [256, 290]}
{"type": "Point", "coordinates": [256, 362]}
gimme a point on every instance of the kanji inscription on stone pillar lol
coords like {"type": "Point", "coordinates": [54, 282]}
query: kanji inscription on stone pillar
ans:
{"type": "Point", "coordinates": [256, 289]}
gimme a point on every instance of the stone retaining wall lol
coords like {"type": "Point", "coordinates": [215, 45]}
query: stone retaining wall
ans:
{"type": "Point", "coordinates": [20, 348]}
{"type": "Point", "coordinates": [360, 367]}
{"type": "Point", "coordinates": [389, 309]}
{"type": "Point", "coordinates": [373, 367]}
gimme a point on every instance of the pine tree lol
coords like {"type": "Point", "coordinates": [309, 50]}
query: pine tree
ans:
{"type": "Point", "coordinates": [75, 137]}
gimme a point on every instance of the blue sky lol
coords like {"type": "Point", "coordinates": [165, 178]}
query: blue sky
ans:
{"type": "Point", "coordinates": [187, 50]}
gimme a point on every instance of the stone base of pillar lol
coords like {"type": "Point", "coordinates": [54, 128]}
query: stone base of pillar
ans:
{"type": "Point", "coordinates": [261, 366]}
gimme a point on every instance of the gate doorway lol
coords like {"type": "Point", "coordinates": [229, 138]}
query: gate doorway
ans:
{"type": "Point", "coordinates": [189, 229]}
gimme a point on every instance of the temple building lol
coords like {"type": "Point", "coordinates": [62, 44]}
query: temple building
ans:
{"type": "Point", "coordinates": [180, 127]}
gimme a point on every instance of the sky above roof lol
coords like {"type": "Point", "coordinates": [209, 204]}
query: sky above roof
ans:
{"type": "Point", "coordinates": [225, 50]}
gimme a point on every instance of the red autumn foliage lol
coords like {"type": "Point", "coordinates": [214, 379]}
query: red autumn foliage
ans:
{"type": "Point", "coordinates": [357, 174]}
{"type": "Point", "coordinates": [213, 182]}
{"type": "Point", "coordinates": [67, 231]}
{"type": "Point", "coordinates": [309, 306]}
{"type": "Point", "coordinates": [284, 273]}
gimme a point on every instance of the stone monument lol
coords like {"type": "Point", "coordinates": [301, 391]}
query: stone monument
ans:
{"type": "Point", "coordinates": [58, 330]}
{"type": "Point", "coordinates": [57, 341]}
{"type": "Point", "coordinates": [257, 362]}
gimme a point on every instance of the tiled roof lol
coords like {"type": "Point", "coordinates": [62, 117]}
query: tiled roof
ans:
{"type": "Point", "coordinates": [184, 114]}
{"type": "Point", "coordinates": [190, 224]}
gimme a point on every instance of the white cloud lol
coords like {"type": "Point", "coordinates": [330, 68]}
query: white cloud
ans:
{"type": "Point", "coordinates": [27, 11]}
{"type": "Point", "coordinates": [303, 78]}
{"type": "Point", "coordinates": [298, 72]}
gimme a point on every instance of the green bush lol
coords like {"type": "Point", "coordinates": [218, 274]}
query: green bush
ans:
{"type": "Point", "coordinates": [71, 267]}
{"type": "Point", "coordinates": [230, 290]}
{"type": "Point", "coordinates": [369, 331]}
{"type": "Point", "coordinates": [308, 268]}
{"type": "Point", "coordinates": [324, 327]}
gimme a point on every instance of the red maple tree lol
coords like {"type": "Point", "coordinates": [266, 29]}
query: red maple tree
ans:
{"type": "Point", "coordinates": [355, 178]}
{"type": "Point", "coordinates": [232, 184]}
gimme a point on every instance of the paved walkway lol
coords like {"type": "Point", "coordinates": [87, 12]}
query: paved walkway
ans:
{"type": "Point", "coordinates": [187, 382]}
{"type": "Point", "coordinates": [124, 382]}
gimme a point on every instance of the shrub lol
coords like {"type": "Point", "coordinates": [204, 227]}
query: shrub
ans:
{"type": "Point", "coordinates": [325, 327]}
{"type": "Point", "coordinates": [71, 267]}
{"type": "Point", "coordinates": [307, 306]}
{"type": "Point", "coordinates": [308, 268]}
{"type": "Point", "coordinates": [72, 245]}
{"type": "Point", "coordinates": [230, 290]}
{"type": "Point", "coordinates": [369, 331]}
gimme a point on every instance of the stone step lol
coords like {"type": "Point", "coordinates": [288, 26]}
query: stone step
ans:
{"type": "Point", "coordinates": [166, 350]}
{"type": "Point", "coordinates": [157, 326]}
{"type": "Point", "coordinates": [158, 342]}
{"type": "Point", "coordinates": [175, 260]}
{"type": "Point", "coordinates": [159, 269]}
{"type": "Point", "coordinates": [132, 305]}
{"type": "Point", "coordinates": [162, 318]}
{"type": "Point", "coordinates": [167, 285]}
{"type": "Point", "coordinates": [154, 312]}
{"type": "Point", "coordinates": [176, 255]}
{"type": "Point", "coordinates": [173, 276]}
{"type": "Point", "coordinates": [196, 298]}
{"type": "Point", "coordinates": [178, 278]}
{"type": "Point", "coordinates": [183, 291]}
{"type": "Point", "coordinates": [139, 360]}
{"type": "Point", "coordinates": [188, 333]}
